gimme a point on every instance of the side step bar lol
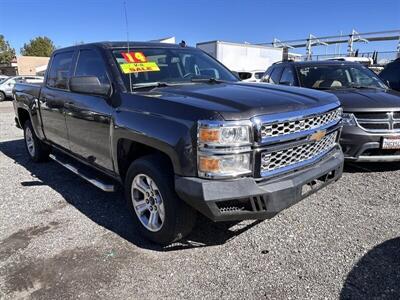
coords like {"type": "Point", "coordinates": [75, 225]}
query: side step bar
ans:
{"type": "Point", "coordinates": [107, 187]}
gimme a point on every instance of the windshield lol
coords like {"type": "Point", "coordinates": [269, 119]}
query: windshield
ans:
{"type": "Point", "coordinates": [259, 75]}
{"type": "Point", "coordinates": [338, 77]}
{"type": "Point", "coordinates": [141, 66]}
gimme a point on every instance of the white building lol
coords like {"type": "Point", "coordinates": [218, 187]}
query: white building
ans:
{"type": "Point", "coordinates": [242, 57]}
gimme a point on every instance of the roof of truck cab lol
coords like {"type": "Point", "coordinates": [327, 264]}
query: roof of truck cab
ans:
{"type": "Point", "coordinates": [116, 45]}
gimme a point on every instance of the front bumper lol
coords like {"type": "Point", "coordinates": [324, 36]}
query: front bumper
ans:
{"type": "Point", "coordinates": [362, 146]}
{"type": "Point", "coordinates": [245, 198]}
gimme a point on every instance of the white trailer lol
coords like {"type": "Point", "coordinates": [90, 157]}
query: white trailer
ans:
{"type": "Point", "coordinates": [242, 57]}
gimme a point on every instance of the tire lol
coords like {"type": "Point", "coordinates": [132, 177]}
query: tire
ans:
{"type": "Point", "coordinates": [175, 218]}
{"type": "Point", "coordinates": [2, 96]}
{"type": "Point", "coordinates": [37, 150]}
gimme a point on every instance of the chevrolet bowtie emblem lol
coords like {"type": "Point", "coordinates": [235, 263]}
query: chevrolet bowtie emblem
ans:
{"type": "Point", "coordinates": [317, 136]}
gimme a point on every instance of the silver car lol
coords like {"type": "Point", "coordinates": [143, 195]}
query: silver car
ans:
{"type": "Point", "coordinates": [7, 85]}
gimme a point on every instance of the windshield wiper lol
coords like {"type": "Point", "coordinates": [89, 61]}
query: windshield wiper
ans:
{"type": "Point", "coordinates": [205, 79]}
{"type": "Point", "coordinates": [359, 86]}
{"type": "Point", "coordinates": [150, 85]}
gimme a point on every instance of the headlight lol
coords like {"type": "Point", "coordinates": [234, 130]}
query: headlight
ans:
{"type": "Point", "coordinates": [224, 149]}
{"type": "Point", "coordinates": [348, 119]}
{"type": "Point", "coordinates": [224, 165]}
{"type": "Point", "coordinates": [224, 135]}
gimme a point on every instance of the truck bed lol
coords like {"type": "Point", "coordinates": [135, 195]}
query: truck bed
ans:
{"type": "Point", "coordinates": [27, 91]}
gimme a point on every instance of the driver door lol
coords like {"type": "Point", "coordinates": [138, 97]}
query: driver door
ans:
{"type": "Point", "coordinates": [88, 117]}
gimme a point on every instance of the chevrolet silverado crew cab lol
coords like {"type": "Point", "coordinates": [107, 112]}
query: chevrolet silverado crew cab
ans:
{"type": "Point", "coordinates": [371, 110]}
{"type": "Point", "coordinates": [179, 131]}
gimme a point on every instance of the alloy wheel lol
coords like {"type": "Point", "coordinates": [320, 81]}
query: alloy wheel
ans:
{"type": "Point", "coordinates": [147, 202]}
{"type": "Point", "coordinates": [30, 144]}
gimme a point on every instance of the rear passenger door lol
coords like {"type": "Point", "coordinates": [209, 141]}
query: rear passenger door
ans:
{"type": "Point", "coordinates": [88, 117]}
{"type": "Point", "coordinates": [54, 95]}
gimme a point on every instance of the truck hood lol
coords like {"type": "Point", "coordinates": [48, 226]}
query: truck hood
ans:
{"type": "Point", "coordinates": [235, 101]}
{"type": "Point", "coordinates": [368, 100]}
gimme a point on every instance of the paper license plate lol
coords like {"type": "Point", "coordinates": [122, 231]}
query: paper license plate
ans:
{"type": "Point", "coordinates": [391, 143]}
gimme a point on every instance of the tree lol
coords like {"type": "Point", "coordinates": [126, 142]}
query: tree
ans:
{"type": "Point", "coordinates": [40, 46]}
{"type": "Point", "coordinates": [6, 52]}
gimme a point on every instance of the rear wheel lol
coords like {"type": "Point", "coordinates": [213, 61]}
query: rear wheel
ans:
{"type": "Point", "coordinates": [2, 96]}
{"type": "Point", "coordinates": [158, 213]}
{"type": "Point", "coordinates": [37, 150]}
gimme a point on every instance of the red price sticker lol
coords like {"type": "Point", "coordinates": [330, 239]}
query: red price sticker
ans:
{"type": "Point", "coordinates": [134, 57]}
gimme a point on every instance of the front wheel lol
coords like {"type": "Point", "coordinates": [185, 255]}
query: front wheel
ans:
{"type": "Point", "coordinates": [158, 213]}
{"type": "Point", "coordinates": [37, 150]}
{"type": "Point", "coordinates": [2, 96]}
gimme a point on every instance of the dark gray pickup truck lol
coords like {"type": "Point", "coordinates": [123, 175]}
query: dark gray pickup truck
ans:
{"type": "Point", "coordinates": [180, 133]}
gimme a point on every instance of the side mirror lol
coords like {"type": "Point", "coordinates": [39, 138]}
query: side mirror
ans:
{"type": "Point", "coordinates": [89, 85]}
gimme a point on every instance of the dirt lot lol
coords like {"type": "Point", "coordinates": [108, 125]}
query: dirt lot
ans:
{"type": "Point", "coordinates": [61, 238]}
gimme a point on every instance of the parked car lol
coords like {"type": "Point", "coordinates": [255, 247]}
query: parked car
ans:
{"type": "Point", "coordinates": [371, 109]}
{"type": "Point", "coordinates": [7, 85]}
{"type": "Point", "coordinates": [391, 74]}
{"type": "Point", "coordinates": [251, 76]}
{"type": "Point", "coordinates": [181, 133]}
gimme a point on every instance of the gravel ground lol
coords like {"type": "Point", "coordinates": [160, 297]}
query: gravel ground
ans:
{"type": "Point", "coordinates": [61, 238]}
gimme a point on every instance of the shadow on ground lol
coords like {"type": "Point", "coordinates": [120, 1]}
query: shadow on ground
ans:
{"type": "Point", "coordinates": [108, 209]}
{"type": "Point", "coordinates": [376, 275]}
{"type": "Point", "coordinates": [376, 167]}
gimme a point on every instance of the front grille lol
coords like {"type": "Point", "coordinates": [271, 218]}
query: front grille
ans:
{"type": "Point", "coordinates": [299, 125]}
{"type": "Point", "coordinates": [272, 162]}
{"type": "Point", "coordinates": [378, 121]}
{"type": "Point", "coordinates": [371, 115]}
{"type": "Point", "coordinates": [376, 126]}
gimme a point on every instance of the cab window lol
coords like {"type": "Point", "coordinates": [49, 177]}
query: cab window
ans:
{"type": "Point", "coordinates": [287, 76]}
{"type": "Point", "coordinates": [90, 63]}
{"type": "Point", "coordinates": [276, 75]}
{"type": "Point", "coordinates": [60, 70]}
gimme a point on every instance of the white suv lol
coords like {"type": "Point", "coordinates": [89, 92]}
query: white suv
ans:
{"type": "Point", "coordinates": [7, 85]}
{"type": "Point", "coordinates": [251, 76]}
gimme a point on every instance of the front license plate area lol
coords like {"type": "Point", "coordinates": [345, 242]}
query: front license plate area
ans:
{"type": "Point", "coordinates": [391, 143]}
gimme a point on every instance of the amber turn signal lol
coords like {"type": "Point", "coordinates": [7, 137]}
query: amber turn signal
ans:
{"type": "Point", "coordinates": [207, 164]}
{"type": "Point", "coordinates": [207, 135]}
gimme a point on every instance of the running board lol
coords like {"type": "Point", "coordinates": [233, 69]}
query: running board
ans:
{"type": "Point", "coordinates": [101, 184]}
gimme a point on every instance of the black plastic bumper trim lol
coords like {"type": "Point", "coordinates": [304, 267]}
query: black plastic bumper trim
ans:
{"type": "Point", "coordinates": [244, 198]}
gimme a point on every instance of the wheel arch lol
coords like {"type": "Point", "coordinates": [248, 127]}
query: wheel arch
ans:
{"type": "Point", "coordinates": [129, 150]}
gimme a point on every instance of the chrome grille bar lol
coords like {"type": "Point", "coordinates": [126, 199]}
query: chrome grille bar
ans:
{"type": "Point", "coordinates": [283, 160]}
{"type": "Point", "coordinates": [379, 122]}
{"type": "Point", "coordinates": [296, 126]}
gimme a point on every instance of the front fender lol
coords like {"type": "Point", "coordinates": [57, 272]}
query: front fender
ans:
{"type": "Point", "coordinates": [174, 137]}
